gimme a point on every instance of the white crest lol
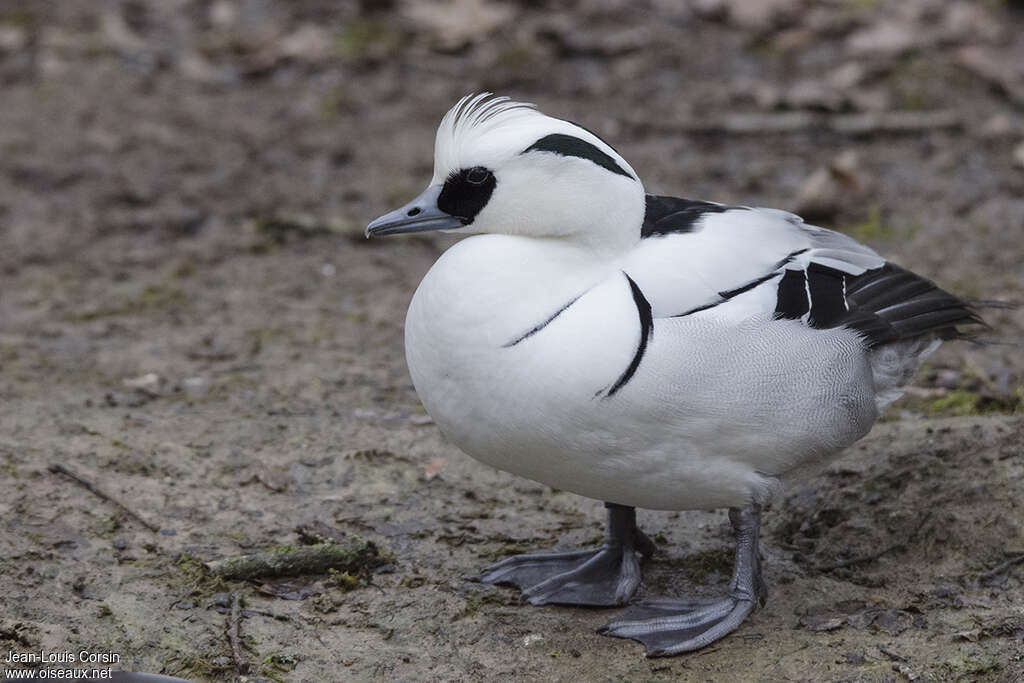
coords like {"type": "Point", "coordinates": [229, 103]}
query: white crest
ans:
{"type": "Point", "coordinates": [471, 119]}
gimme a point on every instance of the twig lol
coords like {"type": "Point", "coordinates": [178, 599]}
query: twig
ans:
{"type": "Point", "coordinates": [233, 635]}
{"type": "Point", "coordinates": [264, 613]}
{"type": "Point", "coordinates": [995, 71]}
{"type": "Point", "coordinates": [869, 123]}
{"type": "Point", "coordinates": [842, 564]}
{"type": "Point", "coordinates": [99, 493]}
{"type": "Point", "coordinates": [1002, 567]}
{"type": "Point", "coordinates": [355, 555]}
{"type": "Point", "coordinates": [891, 655]}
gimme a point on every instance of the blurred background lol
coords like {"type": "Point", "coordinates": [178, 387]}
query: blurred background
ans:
{"type": "Point", "coordinates": [191, 318]}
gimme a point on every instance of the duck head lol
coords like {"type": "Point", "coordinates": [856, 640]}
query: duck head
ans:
{"type": "Point", "coordinates": [503, 167]}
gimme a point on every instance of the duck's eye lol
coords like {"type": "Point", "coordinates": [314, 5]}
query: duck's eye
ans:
{"type": "Point", "coordinates": [477, 175]}
{"type": "Point", "coordinates": [465, 193]}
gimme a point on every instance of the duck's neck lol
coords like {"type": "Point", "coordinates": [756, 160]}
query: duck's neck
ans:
{"type": "Point", "coordinates": [492, 287]}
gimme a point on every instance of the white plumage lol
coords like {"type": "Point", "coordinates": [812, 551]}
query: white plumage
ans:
{"type": "Point", "coordinates": [645, 351]}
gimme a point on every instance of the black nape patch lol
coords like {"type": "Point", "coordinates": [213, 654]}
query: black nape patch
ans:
{"type": "Point", "coordinates": [667, 215]}
{"type": "Point", "coordinates": [643, 309]}
{"type": "Point", "coordinates": [570, 146]}
{"type": "Point", "coordinates": [466, 192]}
{"type": "Point", "coordinates": [544, 323]}
{"type": "Point", "coordinates": [580, 125]}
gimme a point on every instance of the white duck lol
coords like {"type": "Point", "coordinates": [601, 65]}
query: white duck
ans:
{"type": "Point", "coordinates": [642, 350]}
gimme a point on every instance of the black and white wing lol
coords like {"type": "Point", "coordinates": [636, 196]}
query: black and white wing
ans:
{"type": "Point", "coordinates": [734, 263]}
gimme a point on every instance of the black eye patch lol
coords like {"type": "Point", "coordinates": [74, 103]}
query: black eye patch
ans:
{"type": "Point", "coordinates": [570, 146]}
{"type": "Point", "coordinates": [466, 192]}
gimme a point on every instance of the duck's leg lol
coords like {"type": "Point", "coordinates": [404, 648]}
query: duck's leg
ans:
{"type": "Point", "coordinates": [603, 576]}
{"type": "Point", "coordinates": [669, 627]}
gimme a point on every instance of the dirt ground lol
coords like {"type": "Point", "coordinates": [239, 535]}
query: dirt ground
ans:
{"type": "Point", "coordinates": [191, 321]}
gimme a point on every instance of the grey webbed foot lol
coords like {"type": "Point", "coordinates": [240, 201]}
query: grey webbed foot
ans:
{"type": "Point", "coordinates": [601, 577]}
{"type": "Point", "coordinates": [670, 627]}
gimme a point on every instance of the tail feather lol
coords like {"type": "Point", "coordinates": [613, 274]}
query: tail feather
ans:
{"type": "Point", "coordinates": [891, 304]}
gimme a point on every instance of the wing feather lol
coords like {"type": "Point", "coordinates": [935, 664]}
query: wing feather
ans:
{"type": "Point", "coordinates": [738, 262]}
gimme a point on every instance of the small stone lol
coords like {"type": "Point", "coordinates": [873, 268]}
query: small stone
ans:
{"type": "Point", "coordinates": [148, 382]}
{"type": "Point", "coordinates": [820, 623]}
{"type": "Point", "coordinates": [997, 126]}
{"type": "Point", "coordinates": [820, 195]}
{"type": "Point", "coordinates": [887, 37]}
{"type": "Point", "coordinates": [12, 38]}
{"type": "Point", "coordinates": [1018, 155]}
{"type": "Point", "coordinates": [531, 639]}
{"type": "Point", "coordinates": [307, 42]}
{"type": "Point", "coordinates": [196, 386]}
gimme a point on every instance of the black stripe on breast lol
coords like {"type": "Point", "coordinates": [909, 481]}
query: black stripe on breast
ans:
{"type": "Point", "coordinates": [540, 326]}
{"type": "Point", "coordinates": [792, 302]}
{"type": "Point", "coordinates": [730, 293]}
{"type": "Point", "coordinates": [571, 146]}
{"type": "Point", "coordinates": [698, 309]}
{"type": "Point", "coordinates": [643, 309]}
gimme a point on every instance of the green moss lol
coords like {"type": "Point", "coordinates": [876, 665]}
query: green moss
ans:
{"type": "Point", "coordinates": [200, 581]}
{"type": "Point", "coordinates": [276, 664]}
{"type": "Point", "coordinates": [343, 580]}
{"type": "Point", "coordinates": [183, 271]}
{"type": "Point", "coordinates": [108, 524]}
{"type": "Point", "coordinates": [412, 581]}
{"type": "Point", "coordinates": [152, 297]}
{"type": "Point", "coordinates": [203, 667]}
{"type": "Point", "coordinates": [872, 228]}
{"type": "Point", "coordinates": [17, 18]}
{"type": "Point", "coordinates": [9, 353]}
{"type": "Point", "coordinates": [478, 601]}
{"type": "Point", "coordinates": [236, 535]}
{"type": "Point", "coordinates": [957, 402]}
{"type": "Point", "coordinates": [700, 566]}
{"type": "Point", "coordinates": [282, 549]}
{"type": "Point", "coordinates": [969, 666]}
{"type": "Point", "coordinates": [515, 57]}
{"type": "Point", "coordinates": [865, 5]}
{"type": "Point", "coordinates": [367, 38]}
{"type": "Point", "coordinates": [334, 102]}
{"type": "Point", "coordinates": [960, 403]}
{"type": "Point", "coordinates": [354, 555]}
{"type": "Point", "coordinates": [510, 547]}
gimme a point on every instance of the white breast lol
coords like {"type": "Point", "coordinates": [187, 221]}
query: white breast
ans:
{"type": "Point", "coordinates": [707, 420]}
